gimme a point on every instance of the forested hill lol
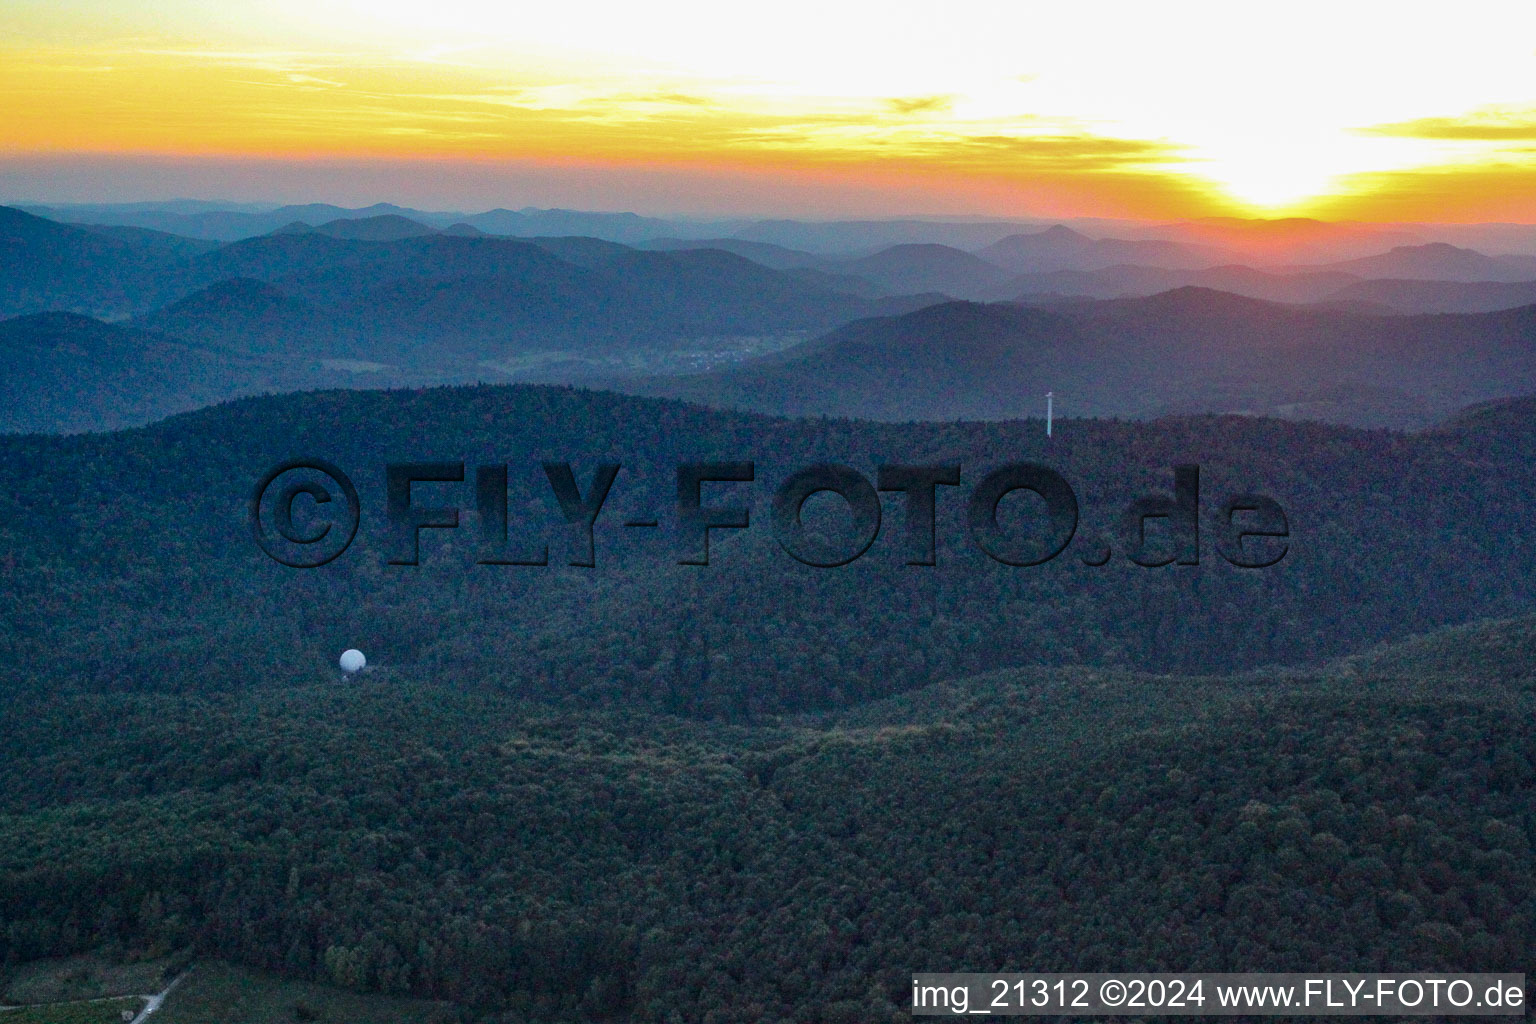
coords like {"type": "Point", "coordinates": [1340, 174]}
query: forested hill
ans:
{"type": "Point", "coordinates": [400, 835]}
{"type": "Point", "coordinates": [759, 791]}
{"type": "Point", "coordinates": [1185, 350]}
{"type": "Point", "coordinates": [130, 563]}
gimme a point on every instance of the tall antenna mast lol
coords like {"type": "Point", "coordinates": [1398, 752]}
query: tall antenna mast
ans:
{"type": "Point", "coordinates": [1048, 396]}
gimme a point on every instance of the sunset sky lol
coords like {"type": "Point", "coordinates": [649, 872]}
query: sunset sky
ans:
{"type": "Point", "coordinates": [1370, 111]}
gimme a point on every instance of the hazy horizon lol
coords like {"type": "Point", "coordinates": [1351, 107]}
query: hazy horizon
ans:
{"type": "Point", "coordinates": [358, 202]}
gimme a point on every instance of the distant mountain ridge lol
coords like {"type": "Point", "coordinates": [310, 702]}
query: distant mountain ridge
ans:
{"type": "Point", "coordinates": [318, 308]}
{"type": "Point", "coordinates": [1182, 351]}
{"type": "Point", "coordinates": [1439, 261]}
{"type": "Point", "coordinates": [392, 299]}
{"type": "Point", "coordinates": [386, 227]}
{"type": "Point", "coordinates": [446, 298]}
{"type": "Point", "coordinates": [776, 257]}
{"type": "Point", "coordinates": [1133, 281]}
{"type": "Point", "coordinates": [408, 286]}
{"type": "Point", "coordinates": [46, 266]}
{"type": "Point", "coordinates": [1418, 279]}
{"type": "Point", "coordinates": [1440, 296]}
{"type": "Point", "coordinates": [1061, 248]}
{"type": "Point", "coordinates": [229, 225]}
{"type": "Point", "coordinates": [927, 267]}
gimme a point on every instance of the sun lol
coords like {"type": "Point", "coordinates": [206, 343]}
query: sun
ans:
{"type": "Point", "coordinates": [1268, 187]}
{"type": "Point", "coordinates": [1288, 173]}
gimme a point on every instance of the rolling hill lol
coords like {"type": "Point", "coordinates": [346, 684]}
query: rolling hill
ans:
{"type": "Point", "coordinates": [386, 227]}
{"type": "Point", "coordinates": [1132, 281]}
{"type": "Point", "coordinates": [1410, 296]}
{"type": "Point", "coordinates": [64, 373]}
{"type": "Point", "coordinates": [1505, 290]}
{"type": "Point", "coordinates": [67, 373]}
{"type": "Point", "coordinates": [776, 257]}
{"type": "Point", "coordinates": [46, 266]}
{"type": "Point", "coordinates": [1186, 350]}
{"type": "Point", "coordinates": [948, 361]}
{"type": "Point", "coordinates": [1437, 261]}
{"type": "Point", "coordinates": [245, 316]}
{"type": "Point", "coordinates": [914, 268]}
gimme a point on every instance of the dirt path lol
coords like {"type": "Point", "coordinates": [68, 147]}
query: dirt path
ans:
{"type": "Point", "coordinates": [152, 1003]}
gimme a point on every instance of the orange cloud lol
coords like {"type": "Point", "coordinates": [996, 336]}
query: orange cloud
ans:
{"type": "Point", "coordinates": [1454, 193]}
{"type": "Point", "coordinates": [1487, 126]}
